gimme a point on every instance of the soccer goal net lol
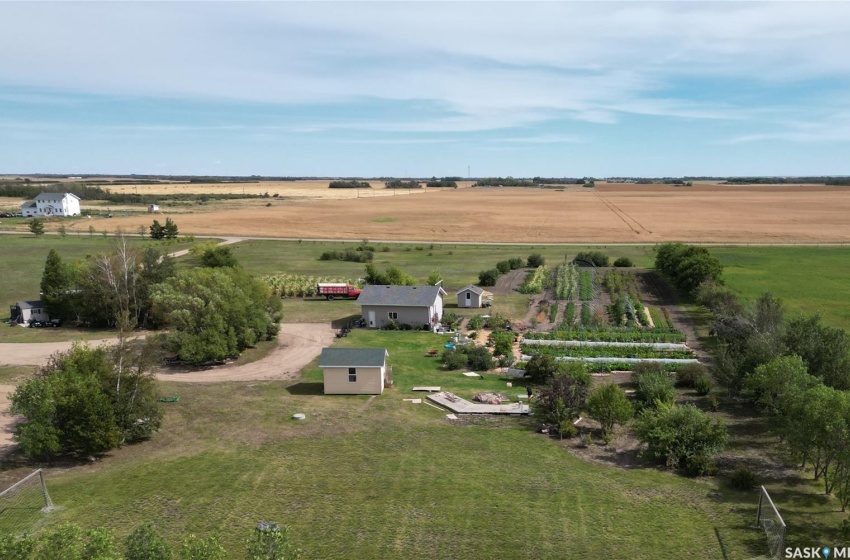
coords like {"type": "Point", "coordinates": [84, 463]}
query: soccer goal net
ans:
{"type": "Point", "coordinates": [22, 504]}
{"type": "Point", "coordinates": [769, 520]}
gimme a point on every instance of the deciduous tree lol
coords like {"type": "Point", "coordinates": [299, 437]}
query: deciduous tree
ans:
{"type": "Point", "coordinates": [609, 405]}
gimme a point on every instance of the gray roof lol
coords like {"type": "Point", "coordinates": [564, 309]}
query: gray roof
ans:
{"type": "Point", "coordinates": [471, 288]}
{"type": "Point", "coordinates": [403, 296]}
{"type": "Point", "coordinates": [30, 304]}
{"type": "Point", "coordinates": [53, 195]}
{"type": "Point", "coordinates": [353, 357]}
{"type": "Point", "coordinates": [28, 204]}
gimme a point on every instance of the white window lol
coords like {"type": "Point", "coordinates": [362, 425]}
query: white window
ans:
{"type": "Point", "coordinates": [393, 315]}
{"type": "Point", "coordinates": [352, 375]}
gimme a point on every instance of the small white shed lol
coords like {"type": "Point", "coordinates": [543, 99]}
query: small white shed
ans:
{"type": "Point", "coordinates": [473, 296]}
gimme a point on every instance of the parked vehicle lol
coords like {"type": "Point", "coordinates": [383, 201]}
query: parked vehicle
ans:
{"type": "Point", "coordinates": [333, 290]}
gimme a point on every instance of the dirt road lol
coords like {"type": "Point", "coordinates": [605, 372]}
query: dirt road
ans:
{"type": "Point", "coordinates": [298, 345]}
{"type": "Point", "coordinates": [37, 353]}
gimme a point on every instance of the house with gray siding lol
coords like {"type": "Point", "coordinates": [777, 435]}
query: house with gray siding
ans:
{"type": "Point", "coordinates": [355, 371]}
{"type": "Point", "coordinates": [417, 306]}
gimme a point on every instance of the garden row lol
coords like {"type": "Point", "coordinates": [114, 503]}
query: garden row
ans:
{"type": "Point", "coordinates": [613, 334]}
{"type": "Point", "coordinates": [607, 351]}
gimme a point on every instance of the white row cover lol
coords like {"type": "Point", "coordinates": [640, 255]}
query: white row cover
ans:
{"type": "Point", "coordinates": [568, 343]}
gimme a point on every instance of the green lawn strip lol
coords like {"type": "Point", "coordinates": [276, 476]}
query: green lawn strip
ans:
{"type": "Point", "coordinates": [422, 490]}
{"type": "Point", "coordinates": [808, 279]}
{"type": "Point", "coordinates": [12, 375]}
{"type": "Point", "coordinates": [320, 310]}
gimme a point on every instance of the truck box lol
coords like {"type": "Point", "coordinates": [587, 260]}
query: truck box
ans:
{"type": "Point", "coordinates": [333, 290]}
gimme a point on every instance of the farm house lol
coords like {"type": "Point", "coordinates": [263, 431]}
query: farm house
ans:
{"type": "Point", "coordinates": [52, 204]}
{"type": "Point", "coordinates": [355, 371]}
{"type": "Point", "coordinates": [417, 306]}
{"type": "Point", "coordinates": [473, 296]}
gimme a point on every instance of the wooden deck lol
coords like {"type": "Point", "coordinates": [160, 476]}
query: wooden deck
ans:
{"type": "Point", "coordinates": [463, 406]}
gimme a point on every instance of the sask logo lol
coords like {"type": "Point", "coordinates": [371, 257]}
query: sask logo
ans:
{"type": "Point", "coordinates": [823, 552]}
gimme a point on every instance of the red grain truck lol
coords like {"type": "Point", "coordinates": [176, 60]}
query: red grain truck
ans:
{"type": "Point", "coordinates": [333, 290]}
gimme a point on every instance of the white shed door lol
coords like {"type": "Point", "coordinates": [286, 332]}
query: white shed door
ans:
{"type": "Point", "coordinates": [371, 318]}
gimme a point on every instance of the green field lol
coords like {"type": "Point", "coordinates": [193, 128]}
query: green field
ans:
{"type": "Point", "coordinates": [808, 279]}
{"type": "Point", "coordinates": [383, 478]}
{"type": "Point", "coordinates": [459, 264]}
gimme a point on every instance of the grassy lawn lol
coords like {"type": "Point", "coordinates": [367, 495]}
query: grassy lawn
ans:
{"type": "Point", "coordinates": [808, 279]}
{"type": "Point", "coordinates": [12, 375]}
{"type": "Point", "coordinates": [25, 256]}
{"type": "Point", "coordinates": [381, 478]}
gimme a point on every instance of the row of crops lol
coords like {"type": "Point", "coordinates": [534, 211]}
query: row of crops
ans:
{"type": "Point", "coordinates": [626, 307]}
{"type": "Point", "coordinates": [572, 283]}
{"type": "Point", "coordinates": [566, 281]}
{"type": "Point", "coordinates": [612, 334]}
{"type": "Point", "coordinates": [297, 285]}
{"type": "Point", "coordinates": [607, 351]}
{"type": "Point", "coordinates": [534, 281]}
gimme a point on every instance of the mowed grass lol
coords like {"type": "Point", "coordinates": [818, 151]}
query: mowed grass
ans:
{"type": "Point", "coordinates": [383, 478]}
{"type": "Point", "coordinates": [809, 280]}
{"type": "Point", "coordinates": [24, 257]}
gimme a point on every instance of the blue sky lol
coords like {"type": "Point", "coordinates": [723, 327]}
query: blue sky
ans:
{"type": "Point", "coordinates": [426, 88]}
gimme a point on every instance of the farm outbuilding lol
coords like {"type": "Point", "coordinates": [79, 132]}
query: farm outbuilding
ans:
{"type": "Point", "coordinates": [355, 371]}
{"type": "Point", "coordinates": [417, 306]}
{"type": "Point", "coordinates": [25, 311]}
{"type": "Point", "coordinates": [473, 296]}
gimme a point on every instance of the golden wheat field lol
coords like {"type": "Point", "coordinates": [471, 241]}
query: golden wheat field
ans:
{"type": "Point", "coordinates": [610, 213]}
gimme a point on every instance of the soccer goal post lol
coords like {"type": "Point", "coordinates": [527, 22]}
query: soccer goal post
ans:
{"type": "Point", "coordinates": [22, 503]}
{"type": "Point", "coordinates": [770, 521]}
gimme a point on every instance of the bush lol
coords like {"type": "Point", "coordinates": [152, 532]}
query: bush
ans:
{"type": "Point", "coordinates": [479, 358]}
{"type": "Point", "coordinates": [687, 375]}
{"type": "Point", "coordinates": [515, 263]}
{"type": "Point", "coordinates": [655, 389]}
{"type": "Point", "coordinates": [535, 260]}
{"type": "Point", "coordinates": [454, 358]}
{"type": "Point", "coordinates": [216, 257]}
{"type": "Point", "coordinates": [703, 385]}
{"type": "Point", "coordinates": [503, 266]}
{"type": "Point", "coordinates": [488, 277]}
{"type": "Point", "coordinates": [475, 322]}
{"type": "Point", "coordinates": [743, 478]}
{"type": "Point", "coordinates": [561, 400]}
{"type": "Point", "coordinates": [348, 255]}
{"type": "Point", "coordinates": [624, 262]}
{"type": "Point", "coordinates": [683, 437]}
{"type": "Point", "coordinates": [595, 257]}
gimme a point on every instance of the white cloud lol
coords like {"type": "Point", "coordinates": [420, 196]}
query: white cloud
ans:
{"type": "Point", "coordinates": [490, 65]}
